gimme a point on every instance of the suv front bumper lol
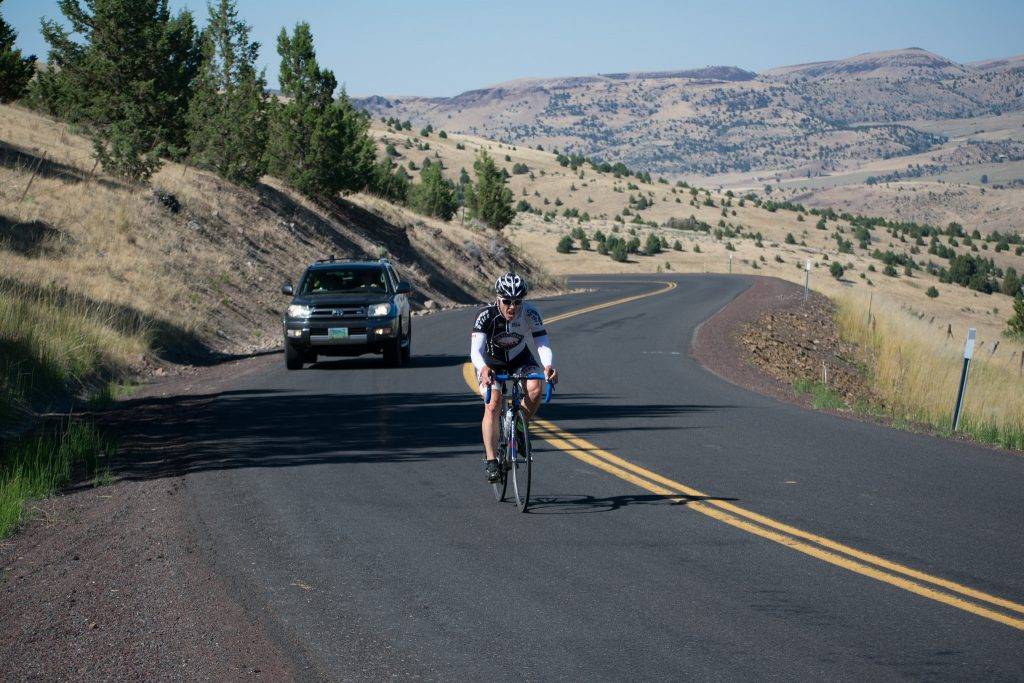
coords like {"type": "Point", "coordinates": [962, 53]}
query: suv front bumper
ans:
{"type": "Point", "coordinates": [367, 335]}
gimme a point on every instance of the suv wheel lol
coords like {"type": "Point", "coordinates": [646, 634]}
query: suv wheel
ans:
{"type": "Point", "coordinates": [407, 349]}
{"type": "Point", "coordinates": [393, 351]}
{"type": "Point", "coordinates": [292, 357]}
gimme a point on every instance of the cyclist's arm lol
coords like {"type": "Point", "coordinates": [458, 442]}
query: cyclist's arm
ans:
{"type": "Point", "coordinates": [547, 356]}
{"type": "Point", "coordinates": [477, 342]}
{"type": "Point", "coordinates": [540, 337]}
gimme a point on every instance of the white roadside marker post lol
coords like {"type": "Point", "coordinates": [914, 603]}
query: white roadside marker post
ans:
{"type": "Point", "coordinates": [968, 355]}
{"type": "Point", "coordinates": [807, 278]}
{"type": "Point", "coordinates": [730, 264]}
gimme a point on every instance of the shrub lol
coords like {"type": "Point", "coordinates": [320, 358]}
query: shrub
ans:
{"type": "Point", "coordinates": [837, 270]}
{"type": "Point", "coordinates": [932, 292]}
{"type": "Point", "coordinates": [890, 270]}
{"type": "Point", "coordinates": [790, 239]}
{"type": "Point", "coordinates": [564, 245]}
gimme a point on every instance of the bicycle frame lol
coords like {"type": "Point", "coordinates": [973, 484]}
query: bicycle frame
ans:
{"type": "Point", "coordinates": [509, 424]}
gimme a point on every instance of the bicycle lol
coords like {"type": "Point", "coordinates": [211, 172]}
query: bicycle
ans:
{"type": "Point", "coordinates": [514, 453]}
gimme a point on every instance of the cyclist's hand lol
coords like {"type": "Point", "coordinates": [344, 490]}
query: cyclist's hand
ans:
{"type": "Point", "coordinates": [551, 375]}
{"type": "Point", "coordinates": [486, 376]}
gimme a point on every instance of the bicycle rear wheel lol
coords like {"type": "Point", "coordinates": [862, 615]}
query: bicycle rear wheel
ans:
{"type": "Point", "coordinates": [522, 463]}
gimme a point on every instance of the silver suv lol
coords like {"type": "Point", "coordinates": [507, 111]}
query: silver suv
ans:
{"type": "Point", "coordinates": [347, 308]}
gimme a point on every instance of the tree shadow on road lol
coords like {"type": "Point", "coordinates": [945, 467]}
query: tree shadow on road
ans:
{"type": "Point", "coordinates": [574, 504]}
{"type": "Point", "coordinates": [270, 428]}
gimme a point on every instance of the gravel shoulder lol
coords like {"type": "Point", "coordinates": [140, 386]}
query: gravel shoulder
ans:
{"type": "Point", "coordinates": [768, 337]}
{"type": "Point", "coordinates": [114, 582]}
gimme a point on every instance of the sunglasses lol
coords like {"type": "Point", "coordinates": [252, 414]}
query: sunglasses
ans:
{"type": "Point", "coordinates": [511, 302]}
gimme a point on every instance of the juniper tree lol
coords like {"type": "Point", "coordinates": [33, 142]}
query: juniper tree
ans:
{"type": "Point", "coordinates": [1015, 326]}
{"type": "Point", "coordinates": [317, 145]}
{"type": "Point", "coordinates": [434, 196]}
{"type": "Point", "coordinates": [652, 245]}
{"type": "Point", "coordinates": [15, 71]}
{"type": "Point", "coordinates": [124, 71]}
{"type": "Point", "coordinates": [490, 200]}
{"type": "Point", "coordinates": [390, 181]}
{"type": "Point", "coordinates": [228, 113]}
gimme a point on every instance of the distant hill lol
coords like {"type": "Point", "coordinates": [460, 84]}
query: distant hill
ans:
{"type": "Point", "coordinates": [794, 121]}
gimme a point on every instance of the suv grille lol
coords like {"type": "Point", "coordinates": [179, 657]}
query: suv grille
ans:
{"type": "Point", "coordinates": [321, 312]}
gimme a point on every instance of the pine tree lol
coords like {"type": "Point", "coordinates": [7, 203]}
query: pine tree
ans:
{"type": "Point", "coordinates": [316, 145]}
{"type": "Point", "coordinates": [491, 200]}
{"type": "Point", "coordinates": [1011, 282]}
{"type": "Point", "coordinates": [15, 71]}
{"type": "Point", "coordinates": [434, 196]}
{"type": "Point", "coordinates": [390, 181]}
{"type": "Point", "coordinates": [228, 113]}
{"type": "Point", "coordinates": [1015, 326]}
{"type": "Point", "coordinates": [123, 70]}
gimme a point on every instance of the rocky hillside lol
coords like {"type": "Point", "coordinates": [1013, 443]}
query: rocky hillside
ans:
{"type": "Point", "coordinates": [797, 121]}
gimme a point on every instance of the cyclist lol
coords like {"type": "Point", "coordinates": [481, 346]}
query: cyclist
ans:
{"type": "Point", "coordinates": [509, 336]}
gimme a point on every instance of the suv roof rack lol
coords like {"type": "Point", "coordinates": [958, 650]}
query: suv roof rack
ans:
{"type": "Point", "coordinates": [330, 259]}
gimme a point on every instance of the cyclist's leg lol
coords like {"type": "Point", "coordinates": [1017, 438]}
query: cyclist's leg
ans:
{"type": "Point", "coordinates": [534, 391]}
{"type": "Point", "coordinates": [489, 425]}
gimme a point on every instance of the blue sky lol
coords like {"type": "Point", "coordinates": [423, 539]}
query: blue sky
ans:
{"type": "Point", "coordinates": [444, 48]}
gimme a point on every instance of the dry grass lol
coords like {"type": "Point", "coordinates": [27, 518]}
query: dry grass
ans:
{"type": "Point", "coordinates": [52, 342]}
{"type": "Point", "coordinates": [917, 373]}
{"type": "Point", "coordinates": [99, 276]}
{"type": "Point", "coordinates": [956, 306]}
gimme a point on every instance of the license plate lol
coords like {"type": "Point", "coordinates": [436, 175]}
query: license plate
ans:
{"type": "Point", "coordinates": [337, 333]}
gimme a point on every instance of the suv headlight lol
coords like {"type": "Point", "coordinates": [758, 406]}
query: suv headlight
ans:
{"type": "Point", "coordinates": [297, 311]}
{"type": "Point", "coordinates": [378, 310]}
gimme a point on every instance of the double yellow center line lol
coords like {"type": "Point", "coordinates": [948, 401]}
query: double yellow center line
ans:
{"type": "Point", "coordinates": [838, 554]}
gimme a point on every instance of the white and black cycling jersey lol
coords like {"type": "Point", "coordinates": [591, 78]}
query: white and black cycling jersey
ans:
{"type": "Point", "coordinates": [508, 344]}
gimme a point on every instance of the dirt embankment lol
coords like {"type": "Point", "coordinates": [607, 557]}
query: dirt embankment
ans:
{"type": "Point", "coordinates": [769, 338]}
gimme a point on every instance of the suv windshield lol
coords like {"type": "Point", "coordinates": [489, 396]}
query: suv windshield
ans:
{"type": "Point", "coordinates": [345, 280]}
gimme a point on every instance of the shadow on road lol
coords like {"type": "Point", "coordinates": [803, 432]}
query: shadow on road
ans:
{"type": "Point", "coordinates": [377, 363]}
{"type": "Point", "coordinates": [268, 428]}
{"type": "Point", "coordinates": [583, 504]}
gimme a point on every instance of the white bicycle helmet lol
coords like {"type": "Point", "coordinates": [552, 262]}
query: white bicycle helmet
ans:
{"type": "Point", "coordinates": [510, 286]}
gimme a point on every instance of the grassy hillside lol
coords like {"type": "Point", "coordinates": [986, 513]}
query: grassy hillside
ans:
{"type": "Point", "coordinates": [925, 333]}
{"type": "Point", "coordinates": [555, 189]}
{"type": "Point", "coordinates": [101, 279]}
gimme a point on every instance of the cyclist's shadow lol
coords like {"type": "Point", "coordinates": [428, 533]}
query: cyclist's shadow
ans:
{"type": "Point", "coordinates": [571, 504]}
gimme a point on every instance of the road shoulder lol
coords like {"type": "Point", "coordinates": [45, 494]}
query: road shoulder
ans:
{"type": "Point", "coordinates": [113, 582]}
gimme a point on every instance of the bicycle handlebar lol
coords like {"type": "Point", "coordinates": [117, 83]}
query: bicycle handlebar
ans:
{"type": "Point", "coordinates": [504, 377]}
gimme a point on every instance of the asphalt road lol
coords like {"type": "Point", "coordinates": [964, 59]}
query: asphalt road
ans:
{"type": "Point", "coordinates": [346, 505]}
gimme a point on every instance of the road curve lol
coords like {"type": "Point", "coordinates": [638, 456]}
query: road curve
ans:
{"type": "Point", "coordinates": [346, 505]}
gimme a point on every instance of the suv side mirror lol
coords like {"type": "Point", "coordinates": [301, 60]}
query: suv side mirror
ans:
{"type": "Point", "coordinates": [287, 289]}
{"type": "Point", "coordinates": [403, 288]}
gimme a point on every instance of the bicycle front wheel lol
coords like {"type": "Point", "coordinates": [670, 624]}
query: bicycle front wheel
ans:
{"type": "Point", "coordinates": [501, 486]}
{"type": "Point", "coordinates": [522, 463]}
